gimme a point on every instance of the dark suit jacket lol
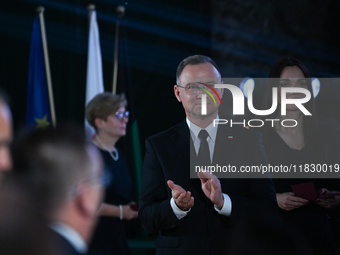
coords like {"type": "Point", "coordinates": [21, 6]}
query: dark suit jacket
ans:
{"type": "Point", "coordinates": [203, 230]}
{"type": "Point", "coordinates": [63, 245]}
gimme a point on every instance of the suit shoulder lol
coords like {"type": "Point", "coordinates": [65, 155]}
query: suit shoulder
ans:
{"type": "Point", "coordinates": [161, 136]}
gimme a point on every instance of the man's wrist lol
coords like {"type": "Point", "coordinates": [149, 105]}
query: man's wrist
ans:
{"type": "Point", "coordinates": [227, 206]}
{"type": "Point", "coordinates": [177, 211]}
{"type": "Point", "coordinates": [219, 206]}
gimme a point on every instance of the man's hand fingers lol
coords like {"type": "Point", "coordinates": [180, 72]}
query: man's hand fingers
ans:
{"type": "Point", "coordinates": [174, 190]}
{"type": "Point", "coordinates": [171, 184]}
{"type": "Point", "coordinates": [184, 197]}
{"type": "Point", "coordinates": [185, 201]}
{"type": "Point", "coordinates": [175, 187]}
{"type": "Point", "coordinates": [203, 180]}
{"type": "Point", "coordinates": [215, 183]}
{"type": "Point", "coordinates": [181, 197]}
{"type": "Point", "coordinates": [191, 202]}
{"type": "Point", "coordinates": [200, 175]}
{"type": "Point", "coordinates": [187, 196]}
{"type": "Point", "coordinates": [206, 175]}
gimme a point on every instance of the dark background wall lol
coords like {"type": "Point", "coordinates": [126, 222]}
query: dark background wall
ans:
{"type": "Point", "coordinates": [244, 37]}
{"type": "Point", "coordinates": [249, 36]}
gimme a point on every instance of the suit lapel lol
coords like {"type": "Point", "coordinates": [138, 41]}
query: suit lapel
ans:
{"type": "Point", "coordinates": [224, 144]}
{"type": "Point", "coordinates": [182, 142]}
{"type": "Point", "coordinates": [186, 151]}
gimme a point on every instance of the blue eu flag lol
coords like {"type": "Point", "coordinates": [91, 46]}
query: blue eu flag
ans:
{"type": "Point", "coordinates": [38, 111]}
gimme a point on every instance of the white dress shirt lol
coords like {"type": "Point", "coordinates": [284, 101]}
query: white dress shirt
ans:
{"type": "Point", "coordinates": [211, 139]}
{"type": "Point", "coordinates": [71, 235]}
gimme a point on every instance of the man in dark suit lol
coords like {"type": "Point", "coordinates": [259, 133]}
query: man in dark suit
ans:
{"type": "Point", "coordinates": [196, 216]}
{"type": "Point", "coordinates": [64, 174]}
{"type": "Point", "coordinates": [22, 229]}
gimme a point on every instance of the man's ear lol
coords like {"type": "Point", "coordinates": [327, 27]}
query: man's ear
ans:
{"type": "Point", "coordinates": [86, 201]}
{"type": "Point", "coordinates": [177, 93]}
{"type": "Point", "coordinates": [222, 90]}
{"type": "Point", "coordinates": [99, 123]}
{"type": "Point", "coordinates": [221, 94]}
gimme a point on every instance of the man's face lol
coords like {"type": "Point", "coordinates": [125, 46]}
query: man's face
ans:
{"type": "Point", "coordinates": [203, 73]}
{"type": "Point", "coordinates": [5, 137]}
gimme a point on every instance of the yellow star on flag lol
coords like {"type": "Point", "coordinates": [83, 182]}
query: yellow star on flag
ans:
{"type": "Point", "coordinates": [42, 123]}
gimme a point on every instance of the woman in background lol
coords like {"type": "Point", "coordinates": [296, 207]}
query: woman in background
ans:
{"type": "Point", "coordinates": [107, 114]}
{"type": "Point", "coordinates": [306, 143]}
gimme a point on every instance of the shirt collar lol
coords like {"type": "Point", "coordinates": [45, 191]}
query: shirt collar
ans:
{"type": "Point", "coordinates": [212, 131]}
{"type": "Point", "coordinates": [71, 235]}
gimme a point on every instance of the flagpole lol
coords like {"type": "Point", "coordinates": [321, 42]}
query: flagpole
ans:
{"type": "Point", "coordinates": [120, 11]}
{"type": "Point", "coordinates": [94, 73]}
{"type": "Point", "coordinates": [91, 8]}
{"type": "Point", "coordinates": [40, 11]}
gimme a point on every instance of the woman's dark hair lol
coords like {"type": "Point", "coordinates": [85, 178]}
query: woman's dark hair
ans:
{"type": "Point", "coordinates": [310, 123]}
{"type": "Point", "coordinates": [284, 62]}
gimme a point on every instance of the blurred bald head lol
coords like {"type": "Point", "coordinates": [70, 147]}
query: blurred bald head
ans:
{"type": "Point", "coordinates": [54, 162]}
{"type": "Point", "coordinates": [64, 173]}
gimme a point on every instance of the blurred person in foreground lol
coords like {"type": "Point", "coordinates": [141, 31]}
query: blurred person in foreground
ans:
{"type": "Point", "coordinates": [107, 114]}
{"type": "Point", "coordinates": [64, 174]}
{"type": "Point", "coordinates": [23, 230]}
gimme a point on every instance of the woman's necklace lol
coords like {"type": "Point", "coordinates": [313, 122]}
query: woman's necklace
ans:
{"type": "Point", "coordinates": [114, 157]}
